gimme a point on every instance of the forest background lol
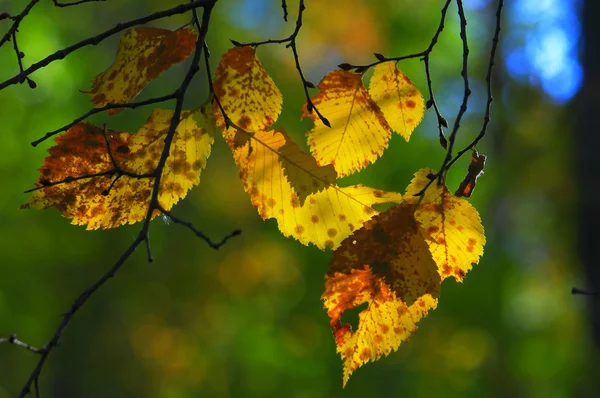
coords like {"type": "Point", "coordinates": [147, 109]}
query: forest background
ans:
{"type": "Point", "coordinates": [247, 320]}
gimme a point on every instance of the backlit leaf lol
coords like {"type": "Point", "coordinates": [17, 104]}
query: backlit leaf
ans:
{"type": "Point", "coordinates": [325, 218]}
{"type": "Point", "coordinates": [110, 200]}
{"type": "Point", "coordinates": [451, 225]}
{"type": "Point", "coordinates": [246, 91]}
{"type": "Point", "coordinates": [144, 54]}
{"type": "Point", "coordinates": [359, 133]}
{"type": "Point", "coordinates": [386, 264]}
{"type": "Point", "coordinates": [399, 99]}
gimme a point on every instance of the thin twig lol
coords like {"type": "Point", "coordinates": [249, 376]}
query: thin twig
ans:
{"type": "Point", "coordinates": [20, 56]}
{"type": "Point", "coordinates": [130, 105]}
{"type": "Point", "coordinates": [16, 21]}
{"type": "Point", "coordinates": [12, 339]}
{"type": "Point", "coordinates": [59, 4]}
{"type": "Point", "coordinates": [291, 43]}
{"type": "Point", "coordinates": [154, 205]}
{"type": "Point", "coordinates": [285, 11]}
{"type": "Point", "coordinates": [488, 79]}
{"type": "Point", "coordinates": [577, 290]}
{"type": "Point", "coordinates": [196, 231]}
{"type": "Point", "coordinates": [467, 91]}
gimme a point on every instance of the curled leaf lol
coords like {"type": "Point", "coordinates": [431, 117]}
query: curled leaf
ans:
{"type": "Point", "coordinates": [467, 186]}
{"type": "Point", "coordinates": [386, 264]}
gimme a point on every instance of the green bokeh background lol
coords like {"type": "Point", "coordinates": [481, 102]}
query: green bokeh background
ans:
{"type": "Point", "coordinates": [247, 321]}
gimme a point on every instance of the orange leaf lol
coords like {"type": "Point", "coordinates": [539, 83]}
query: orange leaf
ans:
{"type": "Point", "coordinates": [359, 132]}
{"type": "Point", "coordinates": [386, 264]}
{"type": "Point", "coordinates": [246, 91]}
{"type": "Point", "coordinates": [112, 199]}
{"type": "Point", "coordinates": [326, 217]}
{"type": "Point", "coordinates": [143, 55]}
{"type": "Point", "coordinates": [399, 99]}
{"type": "Point", "coordinates": [451, 225]}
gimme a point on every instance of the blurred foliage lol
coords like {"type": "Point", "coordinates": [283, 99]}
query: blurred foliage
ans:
{"type": "Point", "coordinates": [247, 320]}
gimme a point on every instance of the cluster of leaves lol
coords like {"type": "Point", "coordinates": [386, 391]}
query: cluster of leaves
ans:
{"type": "Point", "coordinates": [395, 261]}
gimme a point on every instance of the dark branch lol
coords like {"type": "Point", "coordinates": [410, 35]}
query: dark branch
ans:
{"type": "Point", "coordinates": [577, 290]}
{"type": "Point", "coordinates": [488, 79]}
{"type": "Point", "coordinates": [291, 43]}
{"type": "Point", "coordinates": [130, 105]}
{"type": "Point", "coordinates": [20, 56]}
{"type": "Point", "coordinates": [285, 11]}
{"type": "Point", "coordinates": [16, 21]}
{"type": "Point", "coordinates": [466, 94]}
{"type": "Point", "coordinates": [59, 4]}
{"type": "Point", "coordinates": [143, 235]}
{"type": "Point", "coordinates": [199, 233]}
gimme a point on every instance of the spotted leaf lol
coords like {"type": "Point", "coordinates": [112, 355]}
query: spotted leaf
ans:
{"type": "Point", "coordinates": [451, 225]}
{"type": "Point", "coordinates": [143, 55]}
{"type": "Point", "coordinates": [246, 91]}
{"type": "Point", "coordinates": [359, 132]}
{"type": "Point", "coordinates": [325, 218]}
{"type": "Point", "coordinates": [105, 189]}
{"type": "Point", "coordinates": [398, 98]}
{"type": "Point", "coordinates": [387, 265]}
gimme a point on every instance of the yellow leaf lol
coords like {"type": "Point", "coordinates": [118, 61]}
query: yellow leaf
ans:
{"type": "Point", "coordinates": [386, 264]}
{"type": "Point", "coordinates": [359, 132]}
{"type": "Point", "coordinates": [110, 199]}
{"type": "Point", "coordinates": [246, 91]}
{"type": "Point", "coordinates": [452, 226]}
{"type": "Point", "coordinates": [399, 99]}
{"type": "Point", "coordinates": [325, 218]}
{"type": "Point", "coordinates": [144, 54]}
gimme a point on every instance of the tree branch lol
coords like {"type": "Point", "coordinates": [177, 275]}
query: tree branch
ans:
{"type": "Point", "coordinates": [59, 4]}
{"type": "Point", "coordinates": [467, 90]}
{"type": "Point", "coordinates": [488, 79]}
{"type": "Point", "coordinates": [12, 339]}
{"type": "Point", "coordinates": [154, 205]}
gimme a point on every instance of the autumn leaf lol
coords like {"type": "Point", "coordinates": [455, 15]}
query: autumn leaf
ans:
{"type": "Point", "coordinates": [143, 55]}
{"type": "Point", "coordinates": [359, 132]}
{"type": "Point", "coordinates": [246, 91]}
{"type": "Point", "coordinates": [398, 98]}
{"type": "Point", "coordinates": [325, 218]}
{"type": "Point", "coordinates": [467, 186]}
{"type": "Point", "coordinates": [386, 264]}
{"type": "Point", "coordinates": [103, 189]}
{"type": "Point", "coordinates": [451, 225]}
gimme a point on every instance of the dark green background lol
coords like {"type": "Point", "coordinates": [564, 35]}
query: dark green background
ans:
{"type": "Point", "coordinates": [247, 320]}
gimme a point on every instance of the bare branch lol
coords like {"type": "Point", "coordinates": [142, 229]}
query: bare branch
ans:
{"type": "Point", "coordinates": [143, 235]}
{"type": "Point", "coordinates": [12, 339]}
{"type": "Point", "coordinates": [130, 105]}
{"type": "Point", "coordinates": [466, 94]}
{"type": "Point", "coordinates": [16, 21]}
{"type": "Point", "coordinates": [488, 79]}
{"type": "Point", "coordinates": [59, 4]}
